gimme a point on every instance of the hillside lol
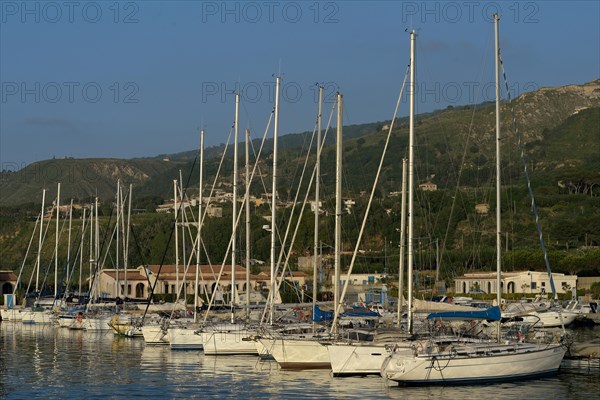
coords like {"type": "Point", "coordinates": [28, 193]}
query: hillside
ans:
{"type": "Point", "coordinates": [444, 138]}
{"type": "Point", "coordinates": [82, 178]}
{"type": "Point", "coordinates": [455, 150]}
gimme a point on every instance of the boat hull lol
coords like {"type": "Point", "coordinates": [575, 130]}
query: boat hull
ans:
{"type": "Point", "coordinates": [553, 319]}
{"type": "Point", "coordinates": [185, 339]}
{"type": "Point", "coordinates": [357, 359]}
{"type": "Point", "coordinates": [65, 321]}
{"type": "Point", "coordinates": [229, 343]}
{"type": "Point", "coordinates": [92, 323]}
{"type": "Point", "coordinates": [13, 314]}
{"type": "Point", "coordinates": [485, 364]}
{"type": "Point", "coordinates": [154, 335]}
{"type": "Point", "coordinates": [38, 317]}
{"type": "Point", "coordinates": [298, 354]}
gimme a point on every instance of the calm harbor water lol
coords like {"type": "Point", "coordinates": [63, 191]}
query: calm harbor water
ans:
{"type": "Point", "coordinates": [49, 362]}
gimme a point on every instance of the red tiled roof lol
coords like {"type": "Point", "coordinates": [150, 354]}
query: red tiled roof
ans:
{"type": "Point", "coordinates": [8, 276]}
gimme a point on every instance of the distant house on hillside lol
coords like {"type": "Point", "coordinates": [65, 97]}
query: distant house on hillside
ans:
{"type": "Point", "coordinates": [514, 282]}
{"type": "Point", "coordinates": [8, 281]}
{"type": "Point", "coordinates": [214, 211]}
{"type": "Point", "coordinates": [482, 208]}
{"type": "Point", "coordinates": [428, 186]}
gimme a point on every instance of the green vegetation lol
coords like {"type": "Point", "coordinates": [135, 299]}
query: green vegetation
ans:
{"type": "Point", "coordinates": [455, 150]}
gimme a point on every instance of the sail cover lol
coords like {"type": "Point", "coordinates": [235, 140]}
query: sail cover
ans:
{"type": "Point", "coordinates": [490, 314]}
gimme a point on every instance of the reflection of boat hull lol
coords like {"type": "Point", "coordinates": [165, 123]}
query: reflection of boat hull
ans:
{"type": "Point", "coordinates": [474, 363]}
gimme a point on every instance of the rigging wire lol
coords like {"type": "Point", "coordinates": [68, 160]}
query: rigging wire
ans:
{"type": "Point", "coordinates": [529, 188]}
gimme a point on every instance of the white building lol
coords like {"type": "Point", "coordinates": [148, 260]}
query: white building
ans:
{"type": "Point", "coordinates": [428, 186]}
{"type": "Point", "coordinates": [360, 279]}
{"type": "Point", "coordinates": [140, 279]}
{"type": "Point", "coordinates": [514, 282]}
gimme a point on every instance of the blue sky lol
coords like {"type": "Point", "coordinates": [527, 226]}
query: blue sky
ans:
{"type": "Point", "coordinates": [133, 79]}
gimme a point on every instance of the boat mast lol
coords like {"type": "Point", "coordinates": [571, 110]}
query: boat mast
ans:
{"type": "Point", "coordinates": [96, 244]}
{"type": "Point", "coordinates": [198, 236]}
{"type": "Point", "coordinates": [126, 261]}
{"type": "Point", "coordinates": [39, 254]}
{"type": "Point", "coordinates": [176, 236]}
{"type": "Point", "coordinates": [91, 258]}
{"type": "Point", "coordinates": [185, 260]}
{"type": "Point", "coordinates": [498, 186]}
{"type": "Point", "coordinates": [437, 261]}
{"type": "Point", "coordinates": [56, 243]}
{"type": "Point", "coordinates": [69, 272]}
{"type": "Point", "coordinates": [411, 176]}
{"type": "Point", "coordinates": [118, 285]}
{"type": "Point", "coordinates": [247, 205]}
{"type": "Point", "coordinates": [402, 244]}
{"type": "Point", "coordinates": [338, 210]}
{"type": "Point", "coordinates": [92, 221]}
{"type": "Point", "coordinates": [234, 206]}
{"type": "Point", "coordinates": [317, 181]}
{"type": "Point", "coordinates": [274, 200]}
{"type": "Point", "coordinates": [81, 251]}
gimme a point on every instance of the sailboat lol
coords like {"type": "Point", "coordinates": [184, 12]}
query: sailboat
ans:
{"type": "Point", "coordinates": [93, 319]}
{"type": "Point", "coordinates": [184, 337]}
{"type": "Point", "coordinates": [351, 357]}
{"type": "Point", "coordinates": [11, 311]}
{"type": "Point", "coordinates": [458, 362]}
{"type": "Point", "coordinates": [231, 338]}
{"type": "Point", "coordinates": [42, 310]}
{"type": "Point", "coordinates": [311, 352]}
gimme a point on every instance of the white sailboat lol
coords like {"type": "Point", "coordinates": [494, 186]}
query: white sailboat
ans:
{"type": "Point", "coordinates": [350, 358]}
{"type": "Point", "coordinates": [228, 339]}
{"type": "Point", "coordinates": [42, 312]}
{"type": "Point", "coordinates": [184, 336]}
{"type": "Point", "coordinates": [93, 319]}
{"type": "Point", "coordinates": [11, 311]}
{"type": "Point", "coordinates": [312, 353]}
{"type": "Point", "coordinates": [472, 362]}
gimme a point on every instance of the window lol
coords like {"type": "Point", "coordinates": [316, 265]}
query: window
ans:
{"type": "Point", "coordinates": [533, 285]}
{"type": "Point", "coordinates": [543, 284]}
